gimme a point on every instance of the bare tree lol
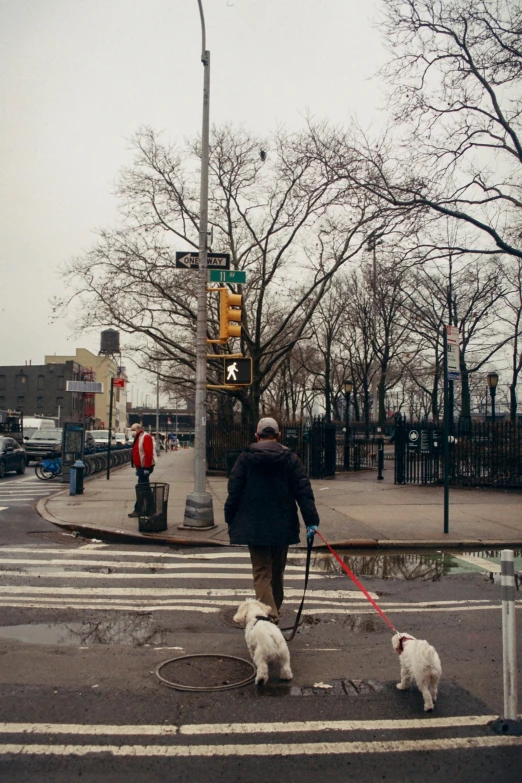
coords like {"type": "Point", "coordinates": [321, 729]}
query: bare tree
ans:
{"type": "Point", "coordinates": [455, 76]}
{"type": "Point", "coordinates": [286, 219]}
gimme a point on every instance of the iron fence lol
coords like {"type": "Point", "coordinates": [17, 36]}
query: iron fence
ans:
{"type": "Point", "coordinates": [488, 454]}
{"type": "Point", "coordinates": [314, 442]}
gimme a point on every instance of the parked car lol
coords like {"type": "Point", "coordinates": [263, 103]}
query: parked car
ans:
{"type": "Point", "coordinates": [44, 444]}
{"type": "Point", "coordinates": [12, 456]}
{"type": "Point", "coordinates": [121, 440]}
{"type": "Point", "coordinates": [101, 437]}
{"type": "Point", "coordinates": [34, 423]}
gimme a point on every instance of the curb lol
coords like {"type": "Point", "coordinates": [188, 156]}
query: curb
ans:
{"type": "Point", "coordinates": [90, 531]}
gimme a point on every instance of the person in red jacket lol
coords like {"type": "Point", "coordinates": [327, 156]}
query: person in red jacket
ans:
{"type": "Point", "coordinates": [143, 460]}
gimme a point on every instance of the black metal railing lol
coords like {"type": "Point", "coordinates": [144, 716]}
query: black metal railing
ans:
{"type": "Point", "coordinates": [314, 442]}
{"type": "Point", "coordinates": [488, 454]}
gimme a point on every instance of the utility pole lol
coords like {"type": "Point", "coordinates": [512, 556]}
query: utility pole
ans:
{"type": "Point", "coordinates": [157, 414]}
{"type": "Point", "coordinates": [199, 510]}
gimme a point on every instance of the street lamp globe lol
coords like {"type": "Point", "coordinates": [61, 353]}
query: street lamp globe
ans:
{"type": "Point", "coordinates": [492, 380]}
{"type": "Point", "coordinates": [348, 387]}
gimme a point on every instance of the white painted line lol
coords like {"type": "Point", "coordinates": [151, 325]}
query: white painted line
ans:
{"type": "Point", "coordinates": [265, 749]}
{"type": "Point", "coordinates": [114, 577]}
{"type": "Point", "coordinates": [3, 508]}
{"type": "Point", "coordinates": [160, 730]}
{"type": "Point", "coordinates": [116, 608]}
{"type": "Point", "coordinates": [65, 604]}
{"type": "Point", "coordinates": [65, 561]}
{"type": "Point", "coordinates": [176, 591]}
{"type": "Point", "coordinates": [133, 553]}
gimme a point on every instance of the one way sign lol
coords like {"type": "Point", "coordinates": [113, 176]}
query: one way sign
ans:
{"type": "Point", "coordinates": [238, 372]}
{"type": "Point", "coordinates": [186, 260]}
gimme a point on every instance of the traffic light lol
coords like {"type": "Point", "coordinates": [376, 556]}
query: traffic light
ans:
{"type": "Point", "coordinates": [229, 314]}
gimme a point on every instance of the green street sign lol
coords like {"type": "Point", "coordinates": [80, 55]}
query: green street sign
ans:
{"type": "Point", "coordinates": [226, 276]}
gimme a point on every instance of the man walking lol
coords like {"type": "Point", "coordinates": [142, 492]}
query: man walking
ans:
{"type": "Point", "coordinates": [266, 483]}
{"type": "Point", "coordinates": [143, 460]}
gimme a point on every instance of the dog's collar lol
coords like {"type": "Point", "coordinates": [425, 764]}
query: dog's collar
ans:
{"type": "Point", "coordinates": [264, 617]}
{"type": "Point", "coordinates": [401, 642]}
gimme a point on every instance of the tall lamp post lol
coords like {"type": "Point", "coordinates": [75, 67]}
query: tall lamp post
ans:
{"type": "Point", "coordinates": [348, 388]}
{"type": "Point", "coordinates": [492, 383]}
{"type": "Point", "coordinates": [199, 511]}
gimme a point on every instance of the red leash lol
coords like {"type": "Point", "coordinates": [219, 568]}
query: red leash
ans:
{"type": "Point", "coordinates": [354, 579]}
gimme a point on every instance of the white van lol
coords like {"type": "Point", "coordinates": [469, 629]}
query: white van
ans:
{"type": "Point", "coordinates": [33, 423]}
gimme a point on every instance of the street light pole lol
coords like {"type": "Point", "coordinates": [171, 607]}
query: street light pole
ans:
{"type": "Point", "coordinates": [492, 383]}
{"type": "Point", "coordinates": [157, 413]}
{"type": "Point", "coordinates": [199, 511]}
{"type": "Point", "coordinates": [348, 388]}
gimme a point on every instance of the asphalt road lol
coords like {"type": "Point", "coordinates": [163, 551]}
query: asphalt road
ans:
{"type": "Point", "coordinates": [85, 624]}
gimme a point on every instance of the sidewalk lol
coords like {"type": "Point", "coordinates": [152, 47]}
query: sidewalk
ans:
{"type": "Point", "coordinates": [355, 510]}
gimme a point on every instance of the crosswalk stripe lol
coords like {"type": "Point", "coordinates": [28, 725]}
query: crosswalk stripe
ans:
{"type": "Point", "coordinates": [182, 575]}
{"type": "Point", "coordinates": [13, 602]}
{"type": "Point", "coordinates": [265, 749]}
{"type": "Point", "coordinates": [161, 730]}
{"type": "Point", "coordinates": [87, 550]}
{"type": "Point", "coordinates": [116, 564]}
{"type": "Point", "coordinates": [169, 591]}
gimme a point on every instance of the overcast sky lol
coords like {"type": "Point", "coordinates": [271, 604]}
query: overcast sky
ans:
{"type": "Point", "coordinates": [79, 77]}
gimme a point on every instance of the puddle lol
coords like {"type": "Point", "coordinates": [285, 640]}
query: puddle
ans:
{"type": "Point", "coordinates": [130, 630]}
{"type": "Point", "coordinates": [409, 566]}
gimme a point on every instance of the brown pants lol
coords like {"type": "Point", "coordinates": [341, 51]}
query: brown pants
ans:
{"type": "Point", "coordinates": [268, 568]}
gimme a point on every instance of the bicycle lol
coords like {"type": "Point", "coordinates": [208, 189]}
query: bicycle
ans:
{"type": "Point", "coordinates": [48, 469]}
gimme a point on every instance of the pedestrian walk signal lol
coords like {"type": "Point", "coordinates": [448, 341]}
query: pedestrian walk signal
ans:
{"type": "Point", "coordinates": [229, 314]}
{"type": "Point", "coordinates": [238, 372]}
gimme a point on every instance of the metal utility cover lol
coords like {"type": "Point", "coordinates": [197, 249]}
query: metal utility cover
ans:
{"type": "Point", "coordinates": [238, 372]}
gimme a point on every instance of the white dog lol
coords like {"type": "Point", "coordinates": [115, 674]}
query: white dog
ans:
{"type": "Point", "coordinates": [419, 662]}
{"type": "Point", "coordinates": [265, 641]}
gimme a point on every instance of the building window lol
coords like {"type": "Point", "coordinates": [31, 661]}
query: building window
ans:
{"type": "Point", "coordinates": [41, 381]}
{"type": "Point", "coordinates": [2, 402]}
{"type": "Point", "coordinates": [59, 402]}
{"type": "Point", "coordinates": [21, 381]}
{"type": "Point", "coordinates": [20, 401]}
{"type": "Point", "coordinates": [60, 383]}
{"type": "Point", "coordinates": [39, 402]}
{"type": "Point", "coordinates": [2, 381]}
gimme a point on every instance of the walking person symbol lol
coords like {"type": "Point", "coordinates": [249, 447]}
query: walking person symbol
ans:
{"type": "Point", "coordinates": [232, 371]}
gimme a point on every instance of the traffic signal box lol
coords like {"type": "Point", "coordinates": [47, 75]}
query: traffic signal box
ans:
{"type": "Point", "coordinates": [229, 315]}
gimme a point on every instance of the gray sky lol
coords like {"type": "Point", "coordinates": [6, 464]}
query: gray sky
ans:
{"type": "Point", "coordinates": [79, 77]}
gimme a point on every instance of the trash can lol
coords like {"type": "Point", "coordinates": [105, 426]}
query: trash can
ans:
{"type": "Point", "coordinates": [152, 507]}
{"type": "Point", "coordinates": [231, 457]}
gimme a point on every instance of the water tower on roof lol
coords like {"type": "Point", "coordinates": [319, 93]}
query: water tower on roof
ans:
{"type": "Point", "coordinates": [110, 343]}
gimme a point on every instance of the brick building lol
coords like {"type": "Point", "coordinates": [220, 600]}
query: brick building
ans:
{"type": "Point", "coordinates": [40, 390]}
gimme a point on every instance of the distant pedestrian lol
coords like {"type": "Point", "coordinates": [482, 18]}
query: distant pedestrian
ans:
{"type": "Point", "coordinates": [266, 483]}
{"type": "Point", "coordinates": [143, 460]}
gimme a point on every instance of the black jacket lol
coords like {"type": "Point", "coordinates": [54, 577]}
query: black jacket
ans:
{"type": "Point", "coordinates": [264, 486]}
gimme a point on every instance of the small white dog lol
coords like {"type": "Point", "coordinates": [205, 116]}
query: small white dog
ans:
{"type": "Point", "coordinates": [419, 662]}
{"type": "Point", "coordinates": [266, 644]}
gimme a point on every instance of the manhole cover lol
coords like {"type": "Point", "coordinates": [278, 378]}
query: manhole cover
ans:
{"type": "Point", "coordinates": [286, 619]}
{"type": "Point", "coordinates": [205, 672]}
{"type": "Point", "coordinates": [58, 538]}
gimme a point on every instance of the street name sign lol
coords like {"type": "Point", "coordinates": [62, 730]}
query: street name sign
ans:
{"type": "Point", "coordinates": [452, 335]}
{"type": "Point", "coordinates": [119, 382]}
{"type": "Point", "coordinates": [238, 372]}
{"type": "Point", "coordinates": [188, 260]}
{"type": "Point", "coordinates": [223, 276]}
